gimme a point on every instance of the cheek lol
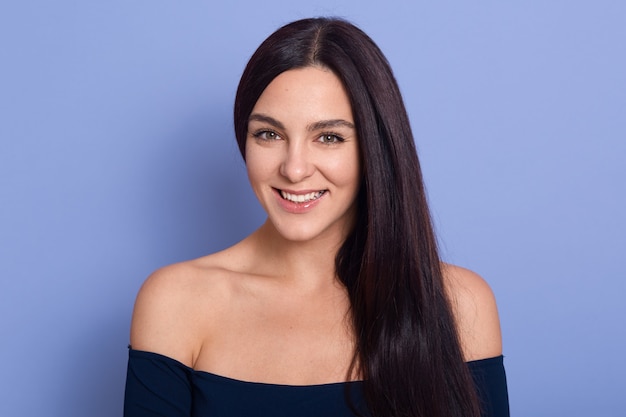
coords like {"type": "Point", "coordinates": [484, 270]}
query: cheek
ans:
{"type": "Point", "coordinates": [258, 166]}
{"type": "Point", "coordinates": [255, 173]}
{"type": "Point", "coordinates": [346, 171]}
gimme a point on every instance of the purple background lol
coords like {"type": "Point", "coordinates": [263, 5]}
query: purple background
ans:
{"type": "Point", "coordinates": [117, 156]}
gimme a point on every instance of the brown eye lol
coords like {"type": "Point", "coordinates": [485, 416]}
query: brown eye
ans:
{"type": "Point", "coordinates": [266, 135]}
{"type": "Point", "coordinates": [329, 138]}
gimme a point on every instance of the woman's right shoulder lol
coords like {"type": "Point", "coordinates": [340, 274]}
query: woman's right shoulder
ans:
{"type": "Point", "coordinates": [177, 279]}
{"type": "Point", "coordinates": [177, 304]}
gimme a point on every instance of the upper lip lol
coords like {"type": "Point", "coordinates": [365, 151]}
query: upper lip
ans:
{"type": "Point", "coordinates": [300, 192]}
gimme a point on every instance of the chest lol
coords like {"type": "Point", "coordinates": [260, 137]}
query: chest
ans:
{"type": "Point", "coordinates": [284, 342]}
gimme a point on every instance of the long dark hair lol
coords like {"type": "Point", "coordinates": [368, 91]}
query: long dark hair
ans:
{"type": "Point", "coordinates": [407, 347]}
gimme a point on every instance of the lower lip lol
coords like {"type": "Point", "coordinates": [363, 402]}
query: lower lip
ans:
{"type": "Point", "coordinates": [297, 208]}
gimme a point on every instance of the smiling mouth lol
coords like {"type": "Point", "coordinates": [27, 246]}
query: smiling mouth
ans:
{"type": "Point", "coordinates": [301, 198]}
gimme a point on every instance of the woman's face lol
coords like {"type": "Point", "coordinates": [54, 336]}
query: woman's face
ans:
{"type": "Point", "coordinates": [302, 155]}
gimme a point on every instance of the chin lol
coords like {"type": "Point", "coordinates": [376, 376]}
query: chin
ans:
{"type": "Point", "coordinates": [299, 235]}
{"type": "Point", "coordinates": [310, 232]}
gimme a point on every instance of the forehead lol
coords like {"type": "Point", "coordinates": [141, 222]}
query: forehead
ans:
{"type": "Point", "coordinates": [311, 93]}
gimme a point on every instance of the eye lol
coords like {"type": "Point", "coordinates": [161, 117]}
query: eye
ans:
{"type": "Point", "coordinates": [268, 135]}
{"type": "Point", "coordinates": [330, 138]}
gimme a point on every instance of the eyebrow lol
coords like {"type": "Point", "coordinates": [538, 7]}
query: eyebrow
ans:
{"type": "Point", "coordinates": [265, 119]}
{"type": "Point", "coordinates": [326, 124]}
{"type": "Point", "coordinates": [322, 124]}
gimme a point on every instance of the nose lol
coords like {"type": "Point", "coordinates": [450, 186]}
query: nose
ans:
{"type": "Point", "coordinates": [297, 164]}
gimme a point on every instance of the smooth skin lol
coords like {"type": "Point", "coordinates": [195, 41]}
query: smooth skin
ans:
{"type": "Point", "coordinates": [270, 308]}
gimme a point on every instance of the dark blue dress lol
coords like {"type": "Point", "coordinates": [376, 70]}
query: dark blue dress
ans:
{"type": "Point", "coordinates": [157, 385]}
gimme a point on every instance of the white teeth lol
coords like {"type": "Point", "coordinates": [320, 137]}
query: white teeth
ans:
{"type": "Point", "coordinates": [301, 198]}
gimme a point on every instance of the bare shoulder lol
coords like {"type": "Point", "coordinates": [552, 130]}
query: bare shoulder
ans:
{"type": "Point", "coordinates": [175, 305]}
{"type": "Point", "coordinates": [475, 311]}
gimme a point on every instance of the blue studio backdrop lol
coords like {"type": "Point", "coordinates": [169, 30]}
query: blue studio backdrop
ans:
{"type": "Point", "coordinates": [117, 156]}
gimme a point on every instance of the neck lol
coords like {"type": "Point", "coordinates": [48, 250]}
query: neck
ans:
{"type": "Point", "coordinates": [307, 264]}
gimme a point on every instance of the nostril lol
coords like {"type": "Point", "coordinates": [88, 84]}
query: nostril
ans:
{"type": "Point", "coordinates": [295, 168]}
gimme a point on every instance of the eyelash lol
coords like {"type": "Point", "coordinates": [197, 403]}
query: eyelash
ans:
{"type": "Point", "coordinates": [337, 138]}
{"type": "Point", "coordinates": [262, 135]}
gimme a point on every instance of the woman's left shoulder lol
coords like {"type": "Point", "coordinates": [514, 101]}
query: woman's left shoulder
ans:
{"type": "Point", "coordinates": [475, 311]}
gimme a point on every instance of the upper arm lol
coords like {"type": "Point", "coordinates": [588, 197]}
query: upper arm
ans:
{"type": "Point", "coordinates": [163, 316]}
{"type": "Point", "coordinates": [475, 312]}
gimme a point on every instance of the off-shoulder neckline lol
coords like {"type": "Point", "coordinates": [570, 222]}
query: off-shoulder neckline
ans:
{"type": "Point", "coordinates": [225, 379]}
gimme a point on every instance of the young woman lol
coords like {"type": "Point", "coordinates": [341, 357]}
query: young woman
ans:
{"type": "Point", "coordinates": [339, 304]}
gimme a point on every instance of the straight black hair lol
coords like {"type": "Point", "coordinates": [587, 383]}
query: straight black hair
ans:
{"type": "Point", "coordinates": [407, 346]}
